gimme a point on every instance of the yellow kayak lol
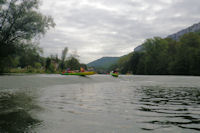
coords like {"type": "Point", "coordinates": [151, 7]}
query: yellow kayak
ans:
{"type": "Point", "coordinates": [114, 74]}
{"type": "Point", "coordinates": [79, 73]}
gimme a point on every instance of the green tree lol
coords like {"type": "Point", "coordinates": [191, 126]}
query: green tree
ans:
{"type": "Point", "coordinates": [73, 63]}
{"type": "Point", "coordinates": [47, 64]}
{"type": "Point", "coordinates": [20, 22]}
{"type": "Point", "coordinates": [64, 53]}
{"type": "Point", "coordinates": [187, 59]}
{"type": "Point", "coordinates": [37, 65]}
{"type": "Point", "coordinates": [156, 59]}
{"type": "Point", "coordinates": [134, 62]}
{"type": "Point", "coordinates": [29, 55]}
{"type": "Point", "coordinates": [123, 63]}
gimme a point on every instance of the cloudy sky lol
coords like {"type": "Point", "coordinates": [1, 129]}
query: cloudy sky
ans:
{"type": "Point", "coordinates": [97, 28]}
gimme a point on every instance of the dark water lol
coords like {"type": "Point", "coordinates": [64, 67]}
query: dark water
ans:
{"type": "Point", "coordinates": [99, 104]}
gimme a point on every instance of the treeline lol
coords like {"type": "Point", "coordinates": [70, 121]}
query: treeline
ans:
{"type": "Point", "coordinates": [29, 60]}
{"type": "Point", "coordinates": [164, 56]}
{"type": "Point", "coordinates": [54, 64]}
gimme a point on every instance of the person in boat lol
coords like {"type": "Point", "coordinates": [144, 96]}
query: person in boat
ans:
{"type": "Point", "coordinates": [114, 71]}
{"type": "Point", "coordinates": [68, 70]}
{"type": "Point", "coordinates": [82, 69]}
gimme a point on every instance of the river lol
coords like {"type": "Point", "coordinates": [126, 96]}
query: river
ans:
{"type": "Point", "coordinates": [51, 103]}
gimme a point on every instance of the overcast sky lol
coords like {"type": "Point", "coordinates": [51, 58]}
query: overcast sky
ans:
{"type": "Point", "coordinates": [98, 28]}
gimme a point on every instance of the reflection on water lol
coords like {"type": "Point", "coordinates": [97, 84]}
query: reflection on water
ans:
{"type": "Point", "coordinates": [168, 107]}
{"type": "Point", "coordinates": [15, 116]}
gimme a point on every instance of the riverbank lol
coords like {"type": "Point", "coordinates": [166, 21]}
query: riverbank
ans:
{"type": "Point", "coordinates": [31, 70]}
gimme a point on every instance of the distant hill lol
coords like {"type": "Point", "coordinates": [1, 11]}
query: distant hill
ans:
{"type": "Point", "coordinates": [104, 62]}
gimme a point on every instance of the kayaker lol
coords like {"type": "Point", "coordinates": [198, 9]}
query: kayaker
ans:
{"type": "Point", "coordinates": [114, 71]}
{"type": "Point", "coordinates": [68, 70]}
{"type": "Point", "coordinates": [82, 69]}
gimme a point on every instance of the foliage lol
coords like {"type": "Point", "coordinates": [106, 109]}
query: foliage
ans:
{"type": "Point", "coordinates": [166, 56]}
{"type": "Point", "coordinates": [73, 63]}
{"type": "Point", "coordinates": [64, 53]}
{"type": "Point", "coordinates": [29, 55]}
{"type": "Point", "coordinates": [20, 23]}
{"type": "Point", "coordinates": [84, 66]}
{"type": "Point", "coordinates": [47, 63]}
{"type": "Point", "coordinates": [37, 65]}
{"type": "Point", "coordinates": [122, 63]}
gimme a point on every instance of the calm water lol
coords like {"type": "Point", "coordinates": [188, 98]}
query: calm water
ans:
{"type": "Point", "coordinates": [99, 104]}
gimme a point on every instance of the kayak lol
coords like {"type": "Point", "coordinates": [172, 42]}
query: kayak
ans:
{"type": "Point", "coordinates": [114, 74]}
{"type": "Point", "coordinates": [79, 73]}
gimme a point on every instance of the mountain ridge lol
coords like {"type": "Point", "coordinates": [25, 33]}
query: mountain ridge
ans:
{"type": "Point", "coordinates": [194, 28]}
{"type": "Point", "coordinates": [104, 62]}
{"type": "Point", "coordinates": [176, 36]}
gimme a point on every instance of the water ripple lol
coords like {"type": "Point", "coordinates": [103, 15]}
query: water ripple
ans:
{"type": "Point", "coordinates": [177, 106]}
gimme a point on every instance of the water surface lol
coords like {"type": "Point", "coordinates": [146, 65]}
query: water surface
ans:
{"type": "Point", "coordinates": [99, 104]}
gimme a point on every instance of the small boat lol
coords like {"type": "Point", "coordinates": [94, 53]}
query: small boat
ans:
{"type": "Point", "coordinates": [78, 73]}
{"type": "Point", "coordinates": [114, 74]}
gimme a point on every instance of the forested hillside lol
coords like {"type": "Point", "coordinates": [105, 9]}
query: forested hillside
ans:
{"type": "Point", "coordinates": [166, 56]}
